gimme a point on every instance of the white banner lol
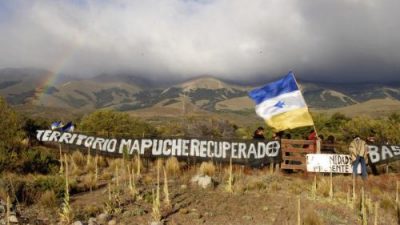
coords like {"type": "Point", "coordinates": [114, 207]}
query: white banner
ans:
{"type": "Point", "coordinates": [326, 163]}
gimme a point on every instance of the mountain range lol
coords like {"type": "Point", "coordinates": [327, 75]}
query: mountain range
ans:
{"type": "Point", "coordinates": [23, 87]}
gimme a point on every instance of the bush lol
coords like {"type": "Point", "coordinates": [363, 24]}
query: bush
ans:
{"type": "Point", "coordinates": [312, 218]}
{"type": "Point", "coordinates": [29, 189]}
{"type": "Point", "coordinates": [88, 181]}
{"type": "Point", "coordinates": [78, 159]}
{"type": "Point", "coordinates": [387, 203]}
{"type": "Point", "coordinates": [112, 123]}
{"type": "Point", "coordinates": [207, 168]}
{"type": "Point", "coordinates": [37, 160]}
{"type": "Point", "coordinates": [48, 199]}
{"type": "Point", "coordinates": [172, 166]}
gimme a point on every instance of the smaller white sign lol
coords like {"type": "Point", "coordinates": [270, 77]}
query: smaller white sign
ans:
{"type": "Point", "coordinates": [326, 163]}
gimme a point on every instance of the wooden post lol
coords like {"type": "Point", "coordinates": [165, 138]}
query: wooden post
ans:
{"type": "Point", "coordinates": [96, 170]}
{"type": "Point", "coordinates": [298, 212]}
{"type": "Point", "coordinates": [348, 196]}
{"type": "Point", "coordinates": [8, 206]}
{"type": "Point", "coordinates": [397, 191]}
{"type": "Point", "coordinates": [318, 145]}
{"type": "Point", "coordinates": [354, 188]}
{"type": "Point", "coordinates": [376, 214]}
{"type": "Point", "coordinates": [117, 177]}
{"type": "Point", "coordinates": [61, 160]}
{"type": "Point", "coordinates": [314, 188]}
{"type": "Point", "coordinates": [331, 187]}
{"type": "Point", "coordinates": [363, 209]}
{"type": "Point", "coordinates": [88, 157]}
{"type": "Point", "coordinates": [109, 192]}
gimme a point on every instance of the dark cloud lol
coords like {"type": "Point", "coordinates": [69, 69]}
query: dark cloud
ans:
{"type": "Point", "coordinates": [347, 40]}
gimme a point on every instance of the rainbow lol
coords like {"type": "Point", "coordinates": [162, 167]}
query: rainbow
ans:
{"type": "Point", "coordinates": [50, 78]}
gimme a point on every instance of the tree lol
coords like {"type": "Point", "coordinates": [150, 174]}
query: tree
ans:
{"type": "Point", "coordinates": [10, 134]}
{"type": "Point", "coordinates": [112, 124]}
{"type": "Point", "coordinates": [30, 126]}
{"type": "Point", "coordinates": [10, 126]}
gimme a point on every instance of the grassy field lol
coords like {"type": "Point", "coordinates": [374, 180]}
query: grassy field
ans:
{"type": "Point", "coordinates": [137, 191]}
{"type": "Point", "coordinates": [373, 108]}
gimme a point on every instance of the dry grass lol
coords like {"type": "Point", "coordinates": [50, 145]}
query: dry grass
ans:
{"type": "Point", "coordinates": [147, 179]}
{"type": "Point", "coordinates": [159, 163]}
{"type": "Point", "coordinates": [229, 184]}
{"type": "Point", "coordinates": [156, 214]}
{"type": "Point", "coordinates": [114, 163]}
{"type": "Point", "coordinates": [311, 217]}
{"type": "Point", "coordinates": [66, 211]}
{"type": "Point", "coordinates": [132, 183]}
{"type": "Point", "coordinates": [48, 199]}
{"type": "Point", "coordinates": [139, 164]}
{"type": "Point", "coordinates": [167, 200]}
{"type": "Point", "coordinates": [89, 181]}
{"type": "Point", "coordinates": [323, 187]}
{"type": "Point", "coordinates": [207, 168]}
{"type": "Point", "coordinates": [102, 162]}
{"type": "Point", "coordinates": [79, 159]}
{"type": "Point", "coordinates": [256, 183]}
{"type": "Point", "coordinates": [3, 193]}
{"type": "Point", "coordinates": [387, 203]}
{"type": "Point", "coordinates": [90, 164]}
{"type": "Point", "coordinates": [172, 166]}
{"type": "Point", "coordinates": [106, 175]}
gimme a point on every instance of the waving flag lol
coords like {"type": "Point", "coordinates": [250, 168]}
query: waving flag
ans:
{"type": "Point", "coordinates": [281, 104]}
{"type": "Point", "coordinates": [69, 127]}
{"type": "Point", "coordinates": [56, 125]}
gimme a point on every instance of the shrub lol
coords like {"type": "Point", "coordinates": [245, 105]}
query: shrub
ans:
{"type": "Point", "coordinates": [79, 159]}
{"type": "Point", "coordinates": [48, 199]}
{"type": "Point", "coordinates": [323, 187]}
{"type": "Point", "coordinates": [102, 162]}
{"type": "Point", "coordinates": [37, 160]}
{"type": "Point", "coordinates": [207, 168]}
{"type": "Point", "coordinates": [256, 183]}
{"type": "Point", "coordinates": [29, 189]}
{"type": "Point", "coordinates": [111, 123]}
{"type": "Point", "coordinates": [172, 166]}
{"type": "Point", "coordinates": [312, 218]}
{"type": "Point", "coordinates": [387, 203]}
{"type": "Point", "coordinates": [89, 181]}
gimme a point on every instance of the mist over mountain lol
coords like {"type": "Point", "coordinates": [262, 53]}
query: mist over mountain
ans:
{"type": "Point", "coordinates": [129, 92]}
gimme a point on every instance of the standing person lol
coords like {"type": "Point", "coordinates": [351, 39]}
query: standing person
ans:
{"type": "Point", "coordinates": [288, 136]}
{"type": "Point", "coordinates": [371, 140]}
{"type": "Point", "coordinates": [329, 145]}
{"type": "Point", "coordinates": [312, 135]}
{"type": "Point", "coordinates": [359, 154]}
{"type": "Point", "coordinates": [259, 134]}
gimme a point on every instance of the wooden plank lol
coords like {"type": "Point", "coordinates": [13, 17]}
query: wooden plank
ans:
{"type": "Point", "coordinates": [297, 142]}
{"type": "Point", "coordinates": [299, 150]}
{"type": "Point", "coordinates": [294, 158]}
{"type": "Point", "coordinates": [294, 167]}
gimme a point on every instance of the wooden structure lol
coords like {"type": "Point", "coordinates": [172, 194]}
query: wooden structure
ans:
{"type": "Point", "coordinates": [294, 153]}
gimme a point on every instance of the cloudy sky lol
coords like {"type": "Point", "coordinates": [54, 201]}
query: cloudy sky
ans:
{"type": "Point", "coordinates": [341, 40]}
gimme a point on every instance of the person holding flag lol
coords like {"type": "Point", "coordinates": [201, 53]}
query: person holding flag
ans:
{"type": "Point", "coordinates": [281, 104]}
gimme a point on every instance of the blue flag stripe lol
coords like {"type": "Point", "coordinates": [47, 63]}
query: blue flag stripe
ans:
{"type": "Point", "coordinates": [285, 85]}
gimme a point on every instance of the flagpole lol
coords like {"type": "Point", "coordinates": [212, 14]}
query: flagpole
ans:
{"type": "Point", "coordinates": [315, 129]}
{"type": "Point", "coordinates": [318, 140]}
